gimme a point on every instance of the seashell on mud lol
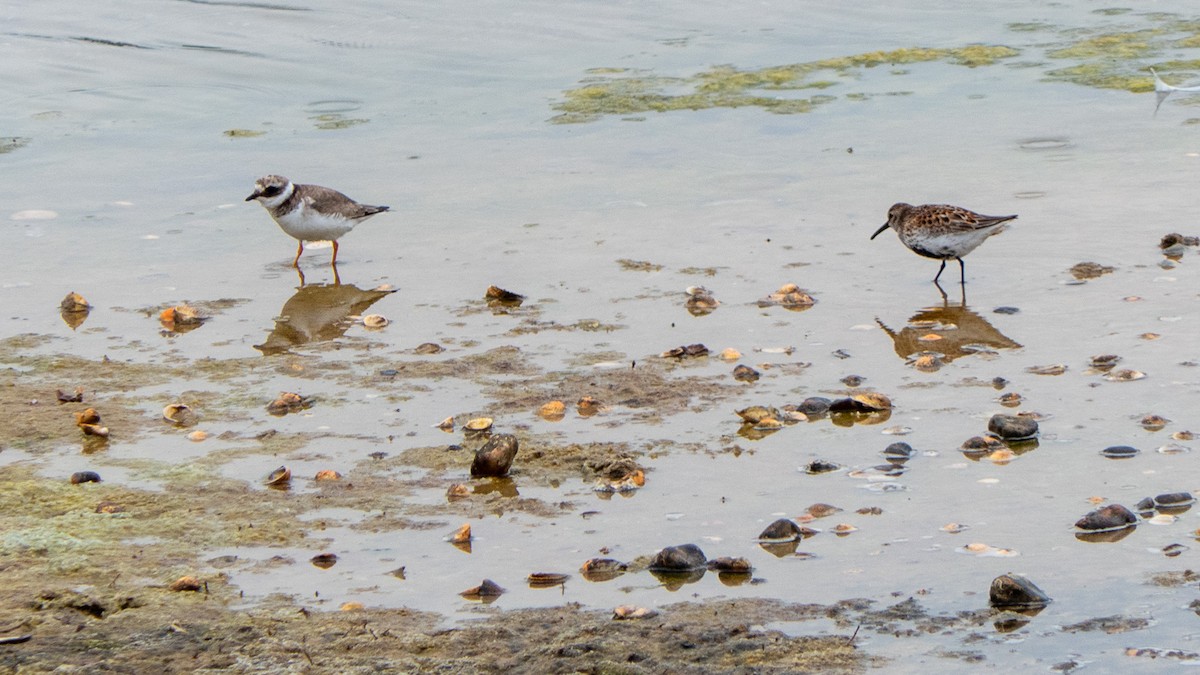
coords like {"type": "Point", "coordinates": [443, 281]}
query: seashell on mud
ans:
{"type": "Point", "coordinates": [352, 606]}
{"type": "Point", "coordinates": [1183, 435]}
{"type": "Point", "coordinates": [1154, 422]}
{"type": "Point", "coordinates": [685, 351]}
{"type": "Point", "coordinates": [987, 550]}
{"type": "Point", "coordinates": [486, 589]}
{"type": "Point", "coordinates": [954, 528]}
{"type": "Point", "coordinates": [1173, 449]}
{"type": "Point", "coordinates": [728, 565]}
{"type": "Point", "coordinates": [458, 491]}
{"type": "Point", "coordinates": [683, 558]}
{"type": "Point", "coordinates": [324, 560]}
{"type": "Point", "coordinates": [588, 406]}
{"type": "Point", "coordinates": [74, 303]}
{"type": "Point", "coordinates": [496, 295]}
{"type": "Point", "coordinates": [730, 354]}
{"type": "Point", "coordinates": [982, 444]}
{"type": "Point", "coordinates": [783, 529]}
{"type": "Point", "coordinates": [1119, 452]}
{"type": "Point", "coordinates": [87, 416]}
{"type": "Point", "coordinates": [852, 380]}
{"type": "Point", "coordinates": [546, 579]}
{"type": "Point", "coordinates": [375, 321]}
{"type": "Point", "coordinates": [445, 425]}
{"type": "Point", "coordinates": [789, 296]}
{"type": "Point", "coordinates": [814, 406]}
{"type": "Point", "coordinates": [602, 569]}
{"type": "Point", "coordinates": [94, 430]}
{"type": "Point", "coordinates": [74, 397]}
{"type": "Point", "coordinates": [631, 612]}
{"type": "Point", "coordinates": [1013, 427]}
{"type": "Point", "coordinates": [180, 414]}
{"type": "Point", "coordinates": [460, 536]}
{"type": "Point", "coordinates": [627, 483]}
{"type": "Point", "coordinates": [820, 510]}
{"type": "Point", "coordinates": [80, 477]}
{"type": "Point", "coordinates": [1111, 517]}
{"type": "Point", "coordinates": [744, 373]}
{"type": "Point", "coordinates": [197, 436]}
{"type": "Point", "coordinates": [279, 477]}
{"type": "Point", "coordinates": [700, 301]}
{"type": "Point", "coordinates": [1015, 591]}
{"type": "Point", "coordinates": [1010, 400]}
{"type": "Point", "coordinates": [427, 348]}
{"type": "Point", "coordinates": [1172, 550]}
{"type": "Point", "coordinates": [495, 458]}
{"type": "Point", "coordinates": [757, 413]}
{"type": "Point", "coordinates": [327, 474]}
{"type": "Point", "coordinates": [478, 425]}
{"type": "Point", "coordinates": [843, 529]}
{"type": "Point", "coordinates": [108, 506]}
{"type": "Point", "coordinates": [898, 452]}
{"type": "Point", "coordinates": [181, 315]}
{"type": "Point", "coordinates": [867, 401]}
{"type": "Point", "coordinates": [927, 362]}
{"type": "Point", "coordinates": [820, 466]}
{"type": "Point", "coordinates": [288, 402]}
{"type": "Point", "coordinates": [186, 583]}
{"type": "Point", "coordinates": [1125, 375]}
{"type": "Point", "coordinates": [1055, 369]}
{"type": "Point", "coordinates": [552, 411]}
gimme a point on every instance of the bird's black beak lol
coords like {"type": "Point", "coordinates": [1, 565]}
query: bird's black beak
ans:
{"type": "Point", "coordinates": [885, 226]}
{"type": "Point", "coordinates": [254, 195]}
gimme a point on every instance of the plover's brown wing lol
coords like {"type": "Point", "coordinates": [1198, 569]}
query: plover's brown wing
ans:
{"type": "Point", "coordinates": [328, 200]}
{"type": "Point", "coordinates": [959, 219]}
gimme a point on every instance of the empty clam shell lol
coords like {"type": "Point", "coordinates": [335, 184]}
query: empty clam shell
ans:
{"type": "Point", "coordinates": [351, 606]}
{"type": "Point", "coordinates": [487, 589]}
{"type": "Point", "coordinates": [324, 560]}
{"type": "Point", "coordinates": [74, 302]}
{"type": "Point", "coordinates": [461, 535]}
{"type": "Point", "coordinates": [87, 416]}
{"type": "Point", "coordinates": [278, 477]}
{"type": "Point", "coordinates": [446, 424]}
{"type": "Point", "coordinates": [178, 413]}
{"type": "Point", "coordinates": [1125, 375]}
{"type": "Point", "coordinates": [458, 491]}
{"type": "Point", "coordinates": [552, 411]}
{"type": "Point", "coordinates": [94, 430]}
{"type": "Point", "coordinates": [628, 612]}
{"type": "Point", "coordinates": [478, 425]}
{"type": "Point", "coordinates": [546, 579]}
{"type": "Point", "coordinates": [375, 321]}
{"type": "Point", "coordinates": [186, 583]}
{"type": "Point", "coordinates": [327, 474]}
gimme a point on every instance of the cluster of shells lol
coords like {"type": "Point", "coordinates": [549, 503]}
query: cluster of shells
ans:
{"type": "Point", "coordinates": [701, 301]}
{"type": "Point", "coordinates": [861, 408]}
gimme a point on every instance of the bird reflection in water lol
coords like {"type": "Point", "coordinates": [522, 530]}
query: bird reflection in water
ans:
{"type": "Point", "coordinates": [938, 335]}
{"type": "Point", "coordinates": [318, 313]}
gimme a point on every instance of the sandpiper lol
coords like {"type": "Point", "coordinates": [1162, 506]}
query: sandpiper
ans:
{"type": "Point", "coordinates": [310, 212]}
{"type": "Point", "coordinates": [942, 231]}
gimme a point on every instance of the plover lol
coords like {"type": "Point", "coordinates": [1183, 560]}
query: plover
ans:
{"type": "Point", "coordinates": [310, 212]}
{"type": "Point", "coordinates": [942, 231]}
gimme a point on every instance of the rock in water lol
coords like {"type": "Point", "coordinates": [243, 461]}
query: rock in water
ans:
{"type": "Point", "coordinates": [1011, 590]}
{"type": "Point", "coordinates": [683, 558]}
{"type": "Point", "coordinates": [1012, 427]}
{"type": "Point", "coordinates": [495, 458]}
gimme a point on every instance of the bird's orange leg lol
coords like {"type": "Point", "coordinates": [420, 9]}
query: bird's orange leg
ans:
{"type": "Point", "coordinates": [335, 248]}
{"type": "Point", "coordinates": [296, 261]}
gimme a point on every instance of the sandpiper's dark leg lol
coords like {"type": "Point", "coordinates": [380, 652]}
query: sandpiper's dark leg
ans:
{"type": "Point", "coordinates": [334, 261]}
{"type": "Point", "coordinates": [296, 261]}
{"type": "Point", "coordinates": [962, 272]}
{"type": "Point", "coordinates": [939, 274]}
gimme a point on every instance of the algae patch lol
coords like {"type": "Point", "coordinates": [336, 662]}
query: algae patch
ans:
{"type": "Point", "coordinates": [624, 92]}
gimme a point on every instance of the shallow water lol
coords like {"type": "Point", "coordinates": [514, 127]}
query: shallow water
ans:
{"type": "Point", "coordinates": [446, 116]}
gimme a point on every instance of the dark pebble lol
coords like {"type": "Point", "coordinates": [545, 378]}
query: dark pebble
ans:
{"type": "Point", "coordinates": [1111, 517]}
{"type": "Point", "coordinates": [85, 477]}
{"type": "Point", "coordinates": [898, 452]}
{"type": "Point", "coordinates": [853, 380]}
{"type": "Point", "coordinates": [685, 558]}
{"type": "Point", "coordinates": [1010, 590]}
{"type": "Point", "coordinates": [1119, 452]}
{"type": "Point", "coordinates": [744, 373]}
{"type": "Point", "coordinates": [389, 372]}
{"type": "Point", "coordinates": [728, 565]}
{"type": "Point", "coordinates": [1012, 427]}
{"type": "Point", "coordinates": [814, 405]}
{"type": "Point", "coordinates": [821, 466]}
{"type": "Point", "coordinates": [495, 458]}
{"type": "Point", "coordinates": [783, 529]}
{"type": "Point", "coordinates": [1006, 310]}
{"type": "Point", "coordinates": [999, 383]}
{"type": "Point", "coordinates": [324, 560]}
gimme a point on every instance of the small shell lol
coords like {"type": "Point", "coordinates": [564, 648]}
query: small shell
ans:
{"type": "Point", "coordinates": [327, 474]}
{"type": "Point", "coordinates": [88, 416]}
{"type": "Point", "coordinates": [756, 413]}
{"type": "Point", "coordinates": [1183, 435]}
{"type": "Point", "coordinates": [107, 506]}
{"type": "Point", "coordinates": [587, 406]}
{"type": "Point", "coordinates": [197, 436]}
{"type": "Point", "coordinates": [730, 354]}
{"type": "Point", "coordinates": [94, 430]}
{"type": "Point", "coordinates": [1125, 375]}
{"type": "Point", "coordinates": [375, 321]}
{"type": "Point", "coordinates": [552, 411]}
{"type": "Point", "coordinates": [446, 424]}
{"type": "Point", "coordinates": [74, 302]}
{"type": "Point", "coordinates": [546, 579]}
{"type": "Point", "coordinates": [279, 477]}
{"type": "Point", "coordinates": [478, 425]}
{"type": "Point", "coordinates": [873, 400]}
{"type": "Point", "coordinates": [628, 612]}
{"type": "Point", "coordinates": [181, 315]}
{"type": "Point", "coordinates": [487, 589]}
{"type": "Point", "coordinates": [351, 606]}
{"type": "Point", "coordinates": [461, 536]}
{"type": "Point", "coordinates": [80, 477]}
{"type": "Point", "coordinates": [1055, 369]}
{"type": "Point", "coordinates": [954, 528]}
{"type": "Point", "coordinates": [1154, 422]}
{"type": "Point", "coordinates": [186, 583]}
{"type": "Point", "coordinates": [324, 560]}
{"type": "Point", "coordinates": [458, 491]}
{"type": "Point", "coordinates": [180, 414]}
{"type": "Point", "coordinates": [843, 529]}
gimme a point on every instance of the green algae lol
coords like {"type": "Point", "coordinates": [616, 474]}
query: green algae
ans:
{"type": "Point", "coordinates": [726, 86]}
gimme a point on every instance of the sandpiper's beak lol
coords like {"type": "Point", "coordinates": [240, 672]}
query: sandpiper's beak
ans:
{"type": "Point", "coordinates": [885, 226]}
{"type": "Point", "coordinates": [254, 195]}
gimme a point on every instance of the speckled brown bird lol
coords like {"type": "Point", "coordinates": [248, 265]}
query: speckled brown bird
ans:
{"type": "Point", "coordinates": [942, 231]}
